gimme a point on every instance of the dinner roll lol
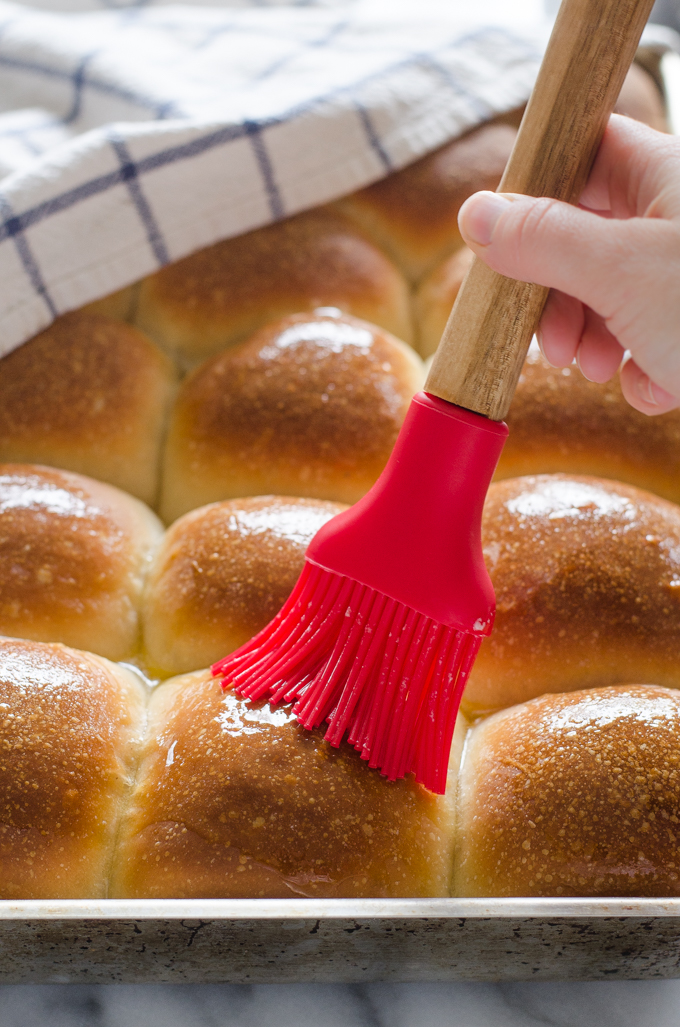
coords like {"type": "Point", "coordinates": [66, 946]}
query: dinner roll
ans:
{"type": "Point", "coordinates": [559, 421]}
{"type": "Point", "coordinates": [413, 214]}
{"type": "Point", "coordinates": [119, 306]}
{"type": "Point", "coordinates": [434, 298]}
{"type": "Point", "coordinates": [221, 574]}
{"type": "Point", "coordinates": [309, 406]}
{"type": "Point", "coordinates": [220, 295]}
{"type": "Point", "coordinates": [573, 794]}
{"type": "Point", "coordinates": [587, 581]}
{"type": "Point", "coordinates": [91, 395]}
{"type": "Point", "coordinates": [70, 735]}
{"type": "Point", "coordinates": [73, 557]}
{"type": "Point", "coordinates": [236, 800]}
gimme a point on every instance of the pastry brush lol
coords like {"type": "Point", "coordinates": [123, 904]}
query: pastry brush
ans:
{"type": "Point", "coordinates": [381, 630]}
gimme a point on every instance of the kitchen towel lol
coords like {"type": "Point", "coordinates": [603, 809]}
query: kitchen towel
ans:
{"type": "Point", "coordinates": [132, 135]}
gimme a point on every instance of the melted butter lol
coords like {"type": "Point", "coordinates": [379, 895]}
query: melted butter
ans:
{"type": "Point", "coordinates": [290, 523]}
{"type": "Point", "coordinates": [330, 335]}
{"type": "Point", "coordinates": [237, 717]}
{"type": "Point", "coordinates": [571, 499]}
{"type": "Point", "coordinates": [305, 884]}
{"type": "Point", "coordinates": [597, 711]}
{"type": "Point", "coordinates": [140, 672]}
{"type": "Point", "coordinates": [33, 493]}
{"type": "Point", "coordinates": [671, 549]}
{"type": "Point", "coordinates": [26, 666]}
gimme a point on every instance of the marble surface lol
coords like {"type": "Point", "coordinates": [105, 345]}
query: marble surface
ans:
{"type": "Point", "coordinates": [619, 1004]}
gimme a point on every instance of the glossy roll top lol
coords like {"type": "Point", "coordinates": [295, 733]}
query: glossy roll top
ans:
{"type": "Point", "coordinates": [587, 580]}
{"type": "Point", "coordinates": [71, 729]}
{"type": "Point", "coordinates": [91, 395]}
{"type": "Point", "coordinates": [309, 406]}
{"type": "Point", "coordinates": [234, 799]}
{"type": "Point", "coordinates": [574, 794]}
{"type": "Point", "coordinates": [74, 554]}
{"type": "Point", "coordinates": [206, 302]}
{"type": "Point", "coordinates": [559, 421]}
{"type": "Point", "coordinates": [229, 799]}
{"type": "Point", "coordinates": [221, 574]}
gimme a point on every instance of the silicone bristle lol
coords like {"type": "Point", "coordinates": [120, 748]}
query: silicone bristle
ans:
{"type": "Point", "coordinates": [384, 676]}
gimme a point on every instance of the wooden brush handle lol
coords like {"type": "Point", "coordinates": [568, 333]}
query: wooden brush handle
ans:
{"type": "Point", "coordinates": [485, 341]}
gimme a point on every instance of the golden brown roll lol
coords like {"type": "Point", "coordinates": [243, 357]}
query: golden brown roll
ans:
{"type": "Point", "coordinates": [221, 574]}
{"type": "Point", "coordinates": [573, 794]}
{"type": "Point", "coordinates": [71, 725]}
{"type": "Point", "coordinates": [587, 581]}
{"type": "Point", "coordinates": [220, 295]}
{"type": "Point", "coordinates": [236, 800]}
{"type": "Point", "coordinates": [413, 214]}
{"type": "Point", "coordinates": [434, 298]}
{"type": "Point", "coordinates": [119, 306]}
{"type": "Point", "coordinates": [74, 554]}
{"type": "Point", "coordinates": [91, 395]}
{"type": "Point", "coordinates": [309, 406]}
{"type": "Point", "coordinates": [559, 421]}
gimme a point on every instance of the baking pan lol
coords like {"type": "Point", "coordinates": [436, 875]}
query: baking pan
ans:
{"type": "Point", "coordinates": [337, 940]}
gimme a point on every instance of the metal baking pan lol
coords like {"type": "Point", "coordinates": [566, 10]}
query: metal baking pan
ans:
{"type": "Point", "coordinates": [337, 940]}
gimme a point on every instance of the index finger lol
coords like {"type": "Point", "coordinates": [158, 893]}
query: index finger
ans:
{"type": "Point", "coordinates": [636, 172]}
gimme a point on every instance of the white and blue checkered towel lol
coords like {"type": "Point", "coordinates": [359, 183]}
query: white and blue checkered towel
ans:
{"type": "Point", "coordinates": [133, 135]}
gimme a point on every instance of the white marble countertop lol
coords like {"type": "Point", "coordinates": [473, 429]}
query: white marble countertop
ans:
{"type": "Point", "coordinates": [616, 1004]}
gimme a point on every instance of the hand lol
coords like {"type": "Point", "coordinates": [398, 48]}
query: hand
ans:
{"type": "Point", "coordinates": [613, 263]}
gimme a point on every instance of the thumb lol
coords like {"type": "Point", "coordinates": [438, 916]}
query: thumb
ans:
{"type": "Point", "coordinates": [550, 243]}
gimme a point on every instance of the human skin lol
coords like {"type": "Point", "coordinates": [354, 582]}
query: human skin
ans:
{"type": "Point", "coordinates": [612, 263]}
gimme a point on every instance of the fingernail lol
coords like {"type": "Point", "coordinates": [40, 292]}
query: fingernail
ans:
{"type": "Point", "coordinates": [479, 214]}
{"type": "Point", "coordinates": [650, 392]}
{"type": "Point", "coordinates": [539, 340]}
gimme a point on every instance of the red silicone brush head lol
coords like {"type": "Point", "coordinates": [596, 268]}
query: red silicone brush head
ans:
{"type": "Point", "coordinates": [380, 633]}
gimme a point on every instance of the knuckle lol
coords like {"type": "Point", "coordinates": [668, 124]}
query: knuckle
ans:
{"type": "Point", "coordinates": [526, 233]}
{"type": "Point", "coordinates": [536, 221]}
